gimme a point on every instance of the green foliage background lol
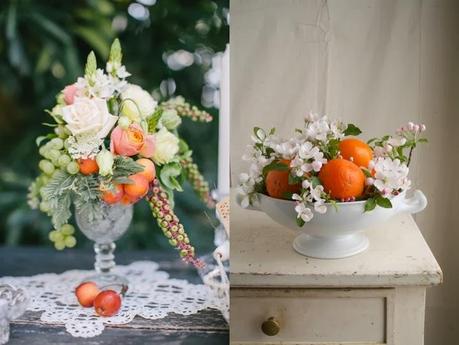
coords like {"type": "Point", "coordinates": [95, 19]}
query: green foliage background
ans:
{"type": "Point", "coordinates": [43, 46]}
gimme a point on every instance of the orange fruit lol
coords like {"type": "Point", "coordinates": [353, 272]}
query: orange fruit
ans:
{"type": "Point", "coordinates": [149, 171]}
{"type": "Point", "coordinates": [343, 179]}
{"type": "Point", "coordinates": [357, 151]}
{"type": "Point", "coordinates": [138, 188]}
{"type": "Point", "coordinates": [88, 166]}
{"type": "Point", "coordinates": [112, 197]}
{"type": "Point", "coordinates": [277, 183]}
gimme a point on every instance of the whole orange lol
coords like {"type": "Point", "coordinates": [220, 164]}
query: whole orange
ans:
{"type": "Point", "coordinates": [342, 179]}
{"type": "Point", "coordinates": [357, 151]}
{"type": "Point", "coordinates": [277, 183]}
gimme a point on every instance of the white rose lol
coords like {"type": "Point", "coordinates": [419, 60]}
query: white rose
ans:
{"type": "Point", "coordinates": [137, 103]}
{"type": "Point", "coordinates": [89, 122]}
{"type": "Point", "coordinates": [166, 146]}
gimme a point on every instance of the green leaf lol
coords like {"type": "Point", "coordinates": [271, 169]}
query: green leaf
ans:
{"type": "Point", "coordinates": [115, 52]}
{"type": "Point", "coordinates": [383, 202]}
{"type": "Point", "coordinates": [153, 120]}
{"type": "Point", "coordinates": [367, 172]}
{"type": "Point", "coordinates": [333, 148]}
{"type": "Point", "coordinates": [300, 222]}
{"type": "Point", "coordinates": [293, 179]}
{"type": "Point", "coordinates": [287, 195]}
{"type": "Point", "coordinates": [352, 130]}
{"type": "Point", "coordinates": [169, 175]}
{"type": "Point", "coordinates": [423, 140]}
{"type": "Point", "coordinates": [125, 166]}
{"type": "Point", "coordinates": [183, 147]}
{"type": "Point", "coordinates": [259, 133]}
{"type": "Point", "coordinates": [276, 165]}
{"type": "Point", "coordinates": [370, 204]}
{"type": "Point", "coordinates": [91, 64]}
{"type": "Point", "coordinates": [122, 180]}
{"type": "Point", "coordinates": [315, 181]}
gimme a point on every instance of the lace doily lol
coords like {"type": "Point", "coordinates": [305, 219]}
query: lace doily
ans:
{"type": "Point", "coordinates": [151, 295]}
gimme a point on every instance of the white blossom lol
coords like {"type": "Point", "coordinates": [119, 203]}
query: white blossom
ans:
{"type": "Point", "coordinates": [390, 175]}
{"type": "Point", "coordinates": [309, 158]}
{"type": "Point", "coordinates": [304, 212]}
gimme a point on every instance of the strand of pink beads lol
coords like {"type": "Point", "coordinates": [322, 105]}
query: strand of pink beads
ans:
{"type": "Point", "coordinates": [170, 224]}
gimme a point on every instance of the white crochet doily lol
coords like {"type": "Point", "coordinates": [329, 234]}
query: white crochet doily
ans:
{"type": "Point", "coordinates": [151, 295]}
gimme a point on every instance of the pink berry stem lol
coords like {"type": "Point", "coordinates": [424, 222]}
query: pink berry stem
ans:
{"type": "Point", "coordinates": [170, 224]}
{"type": "Point", "coordinates": [197, 181]}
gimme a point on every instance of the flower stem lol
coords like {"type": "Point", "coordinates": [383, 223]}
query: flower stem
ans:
{"type": "Point", "coordinates": [170, 224]}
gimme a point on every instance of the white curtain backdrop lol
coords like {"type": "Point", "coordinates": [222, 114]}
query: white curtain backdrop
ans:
{"type": "Point", "coordinates": [377, 63]}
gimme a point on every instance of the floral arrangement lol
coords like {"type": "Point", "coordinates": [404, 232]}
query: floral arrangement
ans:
{"type": "Point", "coordinates": [323, 164]}
{"type": "Point", "coordinates": [113, 143]}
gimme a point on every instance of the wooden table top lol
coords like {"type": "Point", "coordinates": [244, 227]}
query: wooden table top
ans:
{"type": "Point", "coordinates": [205, 327]}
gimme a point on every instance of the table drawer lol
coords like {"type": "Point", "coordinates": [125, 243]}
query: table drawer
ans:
{"type": "Point", "coordinates": [312, 316]}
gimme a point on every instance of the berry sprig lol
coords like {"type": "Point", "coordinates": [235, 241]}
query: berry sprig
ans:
{"type": "Point", "coordinates": [185, 109]}
{"type": "Point", "coordinates": [197, 181]}
{"type": "Point", "coordinates": [170, 224]}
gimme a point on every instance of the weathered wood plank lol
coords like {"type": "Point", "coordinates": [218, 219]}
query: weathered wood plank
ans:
{"type": "Point", "coordinates": [208, 320]}
{"type": "Point", "coordinates": [29, 334]}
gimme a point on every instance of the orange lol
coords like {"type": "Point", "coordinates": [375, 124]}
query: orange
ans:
{"type": "Point", "coordinates": [138, 188]}
{"type": "Point", "coordinates": [149, 171]}
{"type": "Point", "coordinates": [277, 183]}
{"type": "Point", "coordinates": [343, 179]}
{"type": "Point", "coordinates": [88, 166]}
{"type": "Point", "coordinates": [112, 197]}
{"type": "Point", "coordinates": [357, 151]}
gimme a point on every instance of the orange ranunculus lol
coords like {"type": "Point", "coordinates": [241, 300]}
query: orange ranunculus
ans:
{"type": "Point", "coordinates": [131, 141]}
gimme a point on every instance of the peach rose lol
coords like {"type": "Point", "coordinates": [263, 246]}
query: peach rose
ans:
{"type": "Point", "coordinates": [131, 141]}
{"type": "Point", "coordinates": [69, 93]}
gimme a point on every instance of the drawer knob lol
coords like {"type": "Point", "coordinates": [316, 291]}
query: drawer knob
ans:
{"type": "Point", "coordinates": [270, 327]}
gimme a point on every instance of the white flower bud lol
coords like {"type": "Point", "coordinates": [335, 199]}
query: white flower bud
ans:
{"type": "Point", "coordinates": [170, 119]}
{"type": "Point", "coordinates": [105, 160]}
{"type": "Point", "coordinates": [124, 122]}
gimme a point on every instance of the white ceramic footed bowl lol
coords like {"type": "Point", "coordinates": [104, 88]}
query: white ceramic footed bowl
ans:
{"type": "Point", "coordinates": [338, 233]}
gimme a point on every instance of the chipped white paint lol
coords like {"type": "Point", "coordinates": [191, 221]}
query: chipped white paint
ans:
{"type": "Point", "coordinates": [262, 256]}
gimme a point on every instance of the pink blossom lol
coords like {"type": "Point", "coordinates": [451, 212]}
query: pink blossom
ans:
{"type": "Point", "coordinates": [131, 141]}
{"type": "Point", "coordinates": [69, 93]}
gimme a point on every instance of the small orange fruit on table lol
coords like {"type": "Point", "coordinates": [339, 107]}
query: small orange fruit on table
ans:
{"type": "Point", "coordinates": [357, 151]}
{"type": "Point", "coordinates": [277, 182]}
{"type": "Point", "coordinates": [343, 179]}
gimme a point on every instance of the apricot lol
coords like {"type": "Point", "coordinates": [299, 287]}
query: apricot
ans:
{"type": "Point", "coordinates": [149, 171]}
{"type": "Point", "coordinates": [138, 188]}
{"type": "Point", "coordinates": [88, 166]}
{"type": "Point", "coordinates": [107, 303]}
{"type": "Point", "coordinates": [112, 197]}
{"type": "Point", "coordinates": [86, 293]}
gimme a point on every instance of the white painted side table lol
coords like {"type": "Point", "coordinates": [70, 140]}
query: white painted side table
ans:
{"type": "Point", "coordinates": [281, 297]}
